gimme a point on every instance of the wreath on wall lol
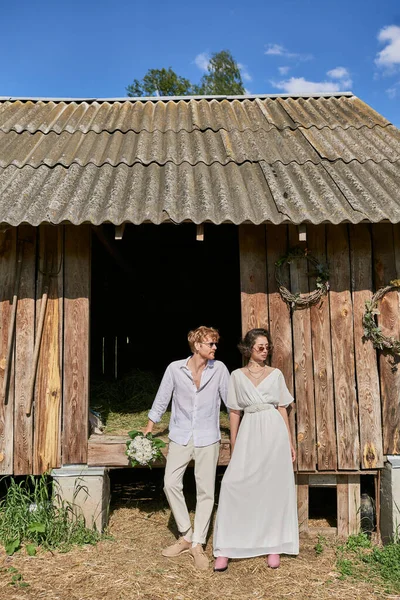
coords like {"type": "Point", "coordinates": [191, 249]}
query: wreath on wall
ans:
{"type": "Point", "coordinates": [372, 331]}
{"type": "Point", "coordinates": [320, 272]}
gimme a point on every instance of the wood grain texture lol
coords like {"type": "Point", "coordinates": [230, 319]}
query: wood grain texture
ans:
{"type": "Point", "coordinates": [303, 367]}
{"type": "Point", "coordinates": [279, 315]}
{"type": "Point", "coordinates": [76, 344]}
{"type": "Point", "coordinates": [302, 501]}
{"type": "Point", "coordinates": [354, 504]}
{"type": "Point", "coordinates": [341, 312]}
{"type": "Point", "coordinates": [388, 320]}
{"type": "Point", "coordinates": [322, 362]}
{"type": "Point", "coordinates": [253, 277]}
{"type": "Point", "coordinates": [343, 505]}
{"type": "Point", "coordinates": [24, 341]}
{"type": "Point", "coordinates": [8, 249]}
{"type": "Point", "coordinates": [369, 402]}
{"type": "Point", "coordinates": [48, 392]}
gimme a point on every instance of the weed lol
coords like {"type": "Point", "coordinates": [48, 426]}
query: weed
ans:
{"type": "Point", "coordinates": [29, 517]}
{"type": "Point", "coordinates": [17, 579]}
{"type": "Point", "coordinates": [357, 541]}
{"type": "Point", "coordinates": [319, 546]}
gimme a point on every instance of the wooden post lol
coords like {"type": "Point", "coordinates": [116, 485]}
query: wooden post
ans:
{"type": "Point", "coordinates": [76, 344]}
{"type": "Point", "coordinates": [24, 340]}
{"type": "Point", "coordinates": [342, 505]}
{"type": "Point", "coordinates": [369, 401]}
{"type": "Point", "coordinates": [48, 391]}
{"type": "Point", "coordinates": [388, 320]}
{"type": "Point", "coordinates": [302, 502]}
{"type": "Point", "coordinates": [8, 240]}
{"type": "Point", "coordinates": [322, 362]}
{"type": "Point", "coordinates": [303, 367]}
{"type": "Point", "coordinates": [279, 314]}
{"type": "Point", "coordinates": [253, 277]}
{"type": "Point", "coordinates": [343, 348]}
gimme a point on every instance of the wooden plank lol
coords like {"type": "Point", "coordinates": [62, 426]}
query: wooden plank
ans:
{"type": "Point", "coordinates": [76, 344]}
{"type": "Point", "coordinates": [279, 314]}
{"type": "Point", "coordinates": [302, 502]}
{"type": "Point", "coordinates": [110, 451]}
{"type": "Point", "coordinates": [369, 401]}
{"type": "Point", "coordinates": [24, 342]}
{"type": "Point", "coordinates": [341, 312]}
{"type": "Point", "coordinates": [322, 362]}
{"type": "Point", "coordinates": [8, 243]}
{"type": "Point", "coordinates": [253, 277]}
{"type": "Point", "coordinates": [48, 390]}
{"type": "Point", "coordinates": [303, 367]}
{"type": "Point", "coordinates": [354, 504]}
{"type": "Point", "coordinates": [343, 505]}
{"type": "Point", "coordinates": [388, 320]}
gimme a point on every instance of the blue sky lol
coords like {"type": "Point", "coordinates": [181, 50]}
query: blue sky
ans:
{"type": "Point", "coordinates": [94, 49]}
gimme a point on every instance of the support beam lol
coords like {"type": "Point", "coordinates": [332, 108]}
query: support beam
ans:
{"type": "Point", "coordinates": [302, 232]}
{"type": "Point", "coordinates": [253, 277]}
{"type": "Point", "coordinates": [119, 231]}
{"type": "Point", "coordinates": [200, 232]}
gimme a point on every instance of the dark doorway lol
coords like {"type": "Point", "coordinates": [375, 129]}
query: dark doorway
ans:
{"type": "Point", "coordinates": [150, 288]}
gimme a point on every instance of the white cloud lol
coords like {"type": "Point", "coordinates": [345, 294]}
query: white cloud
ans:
{"type": "Point", "coordinates": [299, 85]}
{"type": "Point", "coordinates": [389, 57]}
{"type": "Point", "coordinates": [244, 72]}
{"type": "Point", "coordinates": [342, 75]}
{"type": "Point", "coordinates": [283, 70]}
{"type": "Point", "coordinates": [202, 61]}
{"type": "Point", "coordinates": [278, 50]}
{"type": "Point", "coordinates": [393, 91]}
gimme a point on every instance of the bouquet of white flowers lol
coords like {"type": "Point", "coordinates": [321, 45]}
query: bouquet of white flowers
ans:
{"type": "Point", "coordinates": [143, 449]}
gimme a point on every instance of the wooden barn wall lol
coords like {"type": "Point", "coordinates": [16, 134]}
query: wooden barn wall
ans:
{"type": "Point", "coordinates": [347, 410]}
{"type": "Point", "coordinates": [51, 322]}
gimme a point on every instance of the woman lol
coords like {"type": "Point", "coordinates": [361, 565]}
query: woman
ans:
{"type": "Point", "coordinates": [257, 512]}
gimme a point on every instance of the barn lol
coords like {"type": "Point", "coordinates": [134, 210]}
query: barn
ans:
{"type": "Point", "coordinates": [140, 218]}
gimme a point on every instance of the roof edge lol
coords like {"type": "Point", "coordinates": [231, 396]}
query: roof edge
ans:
{"type": "Point", "coordinates": [174, 98]}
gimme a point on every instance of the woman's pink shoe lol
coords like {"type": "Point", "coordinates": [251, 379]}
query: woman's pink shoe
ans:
{"type": "Point", "coordinates": [221, 564]}
{"type": "Point", "coordinates": [273, 561]}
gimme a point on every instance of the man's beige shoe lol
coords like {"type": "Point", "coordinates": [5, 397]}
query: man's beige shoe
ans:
{"type": "Point", "coordinates": [180, 546]}
{"type": "Point", "coordinates": [200, 558]}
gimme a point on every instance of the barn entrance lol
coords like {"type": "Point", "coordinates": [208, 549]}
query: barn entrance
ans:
{"type": "Point", "coordinates": [148, 290]}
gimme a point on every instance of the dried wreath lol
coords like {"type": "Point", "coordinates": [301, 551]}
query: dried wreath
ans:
{"type": "Point", "coordinates": [320, 272]}
{"type": "Point", "coordinates": [372, 331]}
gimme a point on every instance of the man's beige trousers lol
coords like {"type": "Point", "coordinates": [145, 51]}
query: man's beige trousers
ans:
{"type": "Point", "coordinates": [205, 464]}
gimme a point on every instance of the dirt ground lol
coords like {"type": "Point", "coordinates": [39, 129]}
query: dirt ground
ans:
{"type": "Point", "coordinates": [130, 566]}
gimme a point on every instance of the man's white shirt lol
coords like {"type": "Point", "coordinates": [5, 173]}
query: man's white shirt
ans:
{"type": "Point", "coordinates": [194, 412]}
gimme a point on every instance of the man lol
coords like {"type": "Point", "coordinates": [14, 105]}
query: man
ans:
{"type": "Point", "coordinates": [196, 385]}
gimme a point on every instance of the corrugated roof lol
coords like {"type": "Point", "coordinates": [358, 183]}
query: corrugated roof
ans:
{"type": "Point", "coordinates": [252, 159]}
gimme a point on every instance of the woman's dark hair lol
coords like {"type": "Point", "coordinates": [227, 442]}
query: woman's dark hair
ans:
{"type": "Point", "coordinates": [249, 340]}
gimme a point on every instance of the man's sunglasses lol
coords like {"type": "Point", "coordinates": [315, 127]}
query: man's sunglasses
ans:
{"type": "Point", "coordinates": [210, 344]}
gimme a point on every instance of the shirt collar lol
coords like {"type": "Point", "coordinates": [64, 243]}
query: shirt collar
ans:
{"type": "Point", "coordinates": [209, 365]}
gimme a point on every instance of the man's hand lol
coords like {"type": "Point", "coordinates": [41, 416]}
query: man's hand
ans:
{"type": "Point", "coordinates": [148, 428]}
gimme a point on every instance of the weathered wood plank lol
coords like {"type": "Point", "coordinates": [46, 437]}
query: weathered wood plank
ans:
{"type": "Point", "coordinates": [253, 277]}
{"type": "Point", "coordinates": [303, 368]}
{"type": "Point", "coordinates": [341, 312]}
{"type": "Point", "coordinates": [343, 505]}
{"type": "Point", "coordinates": [388, 320]}
{"type": "Point", "coordinates": [76, 344]}
{"type": "Point", "coordinates": [48, 392]}
{"type": "Point", "coordinates": [354, 504]}
{"type": "Point", "coordinates": [24, 343]}
{"type": "Point", "coordinates": [279, 314]}
{"type": "Point", "coordinates": [302, 502]}
{"type": "Point", "coordinates": [106, 451]}
{"type": "Point", "coordinates": [322, 362]}
{"type": "Point", "coordinates": [369, 401]}
{"type": "Point", "coordinates": [8, 243]}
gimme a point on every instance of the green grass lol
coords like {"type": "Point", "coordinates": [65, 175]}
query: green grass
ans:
{"type": "Point", "coordinates": [360, 559]}
{"type": "Point", "coordinates": [29, 519]}
{"type": "Point", "coordinates": [124, 404]}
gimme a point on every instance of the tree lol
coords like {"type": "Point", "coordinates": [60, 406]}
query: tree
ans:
{"type": "Point", "coordinates": [223, 76]}
{"type": "Point", "coordinates": [160, 82]}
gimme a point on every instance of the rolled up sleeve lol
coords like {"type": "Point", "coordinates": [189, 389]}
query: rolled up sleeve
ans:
{"type": "Point", "coordinates": [163, 397]}
{"type": "Point", "coordinates": [223, 384]}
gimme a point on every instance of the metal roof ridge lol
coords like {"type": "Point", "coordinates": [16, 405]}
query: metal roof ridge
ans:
{"type": "Point", "coordinates": [175, 98]}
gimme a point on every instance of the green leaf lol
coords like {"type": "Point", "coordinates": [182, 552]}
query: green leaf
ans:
{"type": "Point", "coordinates": [12, 547]}
{"type": "Point", "coordinates": [31, 549]}
{"type": "Point", "coordinates": [16, 577]}
{"type": "Point", "coordinates": [23, 584]}
{"type": "Point", "coordinates": [36, 527]}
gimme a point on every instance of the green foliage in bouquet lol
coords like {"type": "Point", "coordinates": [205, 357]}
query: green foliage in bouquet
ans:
{"type": "Point", "coordinates": [143, 450]}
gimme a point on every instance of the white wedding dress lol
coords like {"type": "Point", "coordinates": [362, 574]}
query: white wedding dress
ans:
{"type": "Point", "coordinates": [257, 509]}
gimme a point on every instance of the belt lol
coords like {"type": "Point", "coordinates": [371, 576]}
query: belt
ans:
{"type": "Point", "coordinates": [252, 408]}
